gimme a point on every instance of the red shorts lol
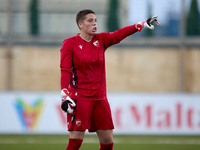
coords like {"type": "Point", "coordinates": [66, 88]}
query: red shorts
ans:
{"type": "Point", "coordinates": [91, 115]}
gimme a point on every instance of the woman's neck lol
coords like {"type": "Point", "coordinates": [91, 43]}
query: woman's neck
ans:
{"type": "Point", "coordinates": [86, 37]}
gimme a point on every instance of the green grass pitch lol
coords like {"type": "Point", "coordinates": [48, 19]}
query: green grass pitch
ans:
{"type": "Point", "coordinates": [121, 142]}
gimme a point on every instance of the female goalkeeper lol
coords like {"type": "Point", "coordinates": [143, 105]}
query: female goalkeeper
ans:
{"type": "Point", "coordinates": [83, 79]}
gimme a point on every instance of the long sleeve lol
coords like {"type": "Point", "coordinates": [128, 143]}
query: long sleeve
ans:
{"type": "Point", "coordinates": [65, 79]}
{"type": "Point", "coordinates": [115, 37]}
{"type": "Point", "coordinates": [65, 64]}
{"type": "Point", "coordinates": [127, 31]}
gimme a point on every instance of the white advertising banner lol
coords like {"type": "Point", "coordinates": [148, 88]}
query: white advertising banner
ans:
{"type": "Point", "coordinates": [23, 112]}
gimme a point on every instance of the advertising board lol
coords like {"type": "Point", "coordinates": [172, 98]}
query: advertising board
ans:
{"type": "Point", "coordinates": [133, 113]}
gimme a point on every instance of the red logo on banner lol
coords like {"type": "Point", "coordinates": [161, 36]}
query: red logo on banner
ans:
{"type": "Point", "coordinates": [164, 117]}
{"type": "Point", "coordinates": [63, 116]}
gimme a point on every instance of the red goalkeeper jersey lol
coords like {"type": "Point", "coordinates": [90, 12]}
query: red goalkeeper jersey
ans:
{"type": "Point", "coordinates": [83, 63]}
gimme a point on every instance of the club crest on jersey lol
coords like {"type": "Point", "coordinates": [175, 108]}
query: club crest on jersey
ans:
{"type": "Point", "coordinates": [78, 122]}
{"type": "Point", "coordinates": [96, 43]}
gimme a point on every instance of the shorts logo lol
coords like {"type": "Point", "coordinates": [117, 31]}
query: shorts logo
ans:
{"type": "Point", "coordinates": [78, 122]}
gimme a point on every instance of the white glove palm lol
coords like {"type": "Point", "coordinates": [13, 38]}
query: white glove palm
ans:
{"type": "Point", "coordinates": [67, 102]}
{"type": "Point", "coordinates": [147, 23]}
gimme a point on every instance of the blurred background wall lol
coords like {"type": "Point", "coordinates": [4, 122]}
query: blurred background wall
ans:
{"type": "Point", "coordinates": [164, 60]}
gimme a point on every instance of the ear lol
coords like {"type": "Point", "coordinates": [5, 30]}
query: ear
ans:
{"type": "Point", "coordinates": [80, 25]}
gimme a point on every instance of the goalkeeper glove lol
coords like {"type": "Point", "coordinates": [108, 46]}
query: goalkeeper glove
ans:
{"type": "Point", "coordinates": [67, 102]}
{"type": "Point", "coordinates": [147, 23]}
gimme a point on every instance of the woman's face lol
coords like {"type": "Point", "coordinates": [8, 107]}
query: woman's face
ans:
{"type": "Point", "coordinates": [89, 25]}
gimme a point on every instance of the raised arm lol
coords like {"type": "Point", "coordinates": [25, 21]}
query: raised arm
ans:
{"type": "Point", "coordinates": [111, 38]}
{"type": "Point", "coordinates": [115, 37]}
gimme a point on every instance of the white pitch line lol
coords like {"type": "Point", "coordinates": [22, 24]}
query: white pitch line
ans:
{"type": "Point", "coordinates": [160, 141]}
{"type": "Point", "coordinates": [118, 141]}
